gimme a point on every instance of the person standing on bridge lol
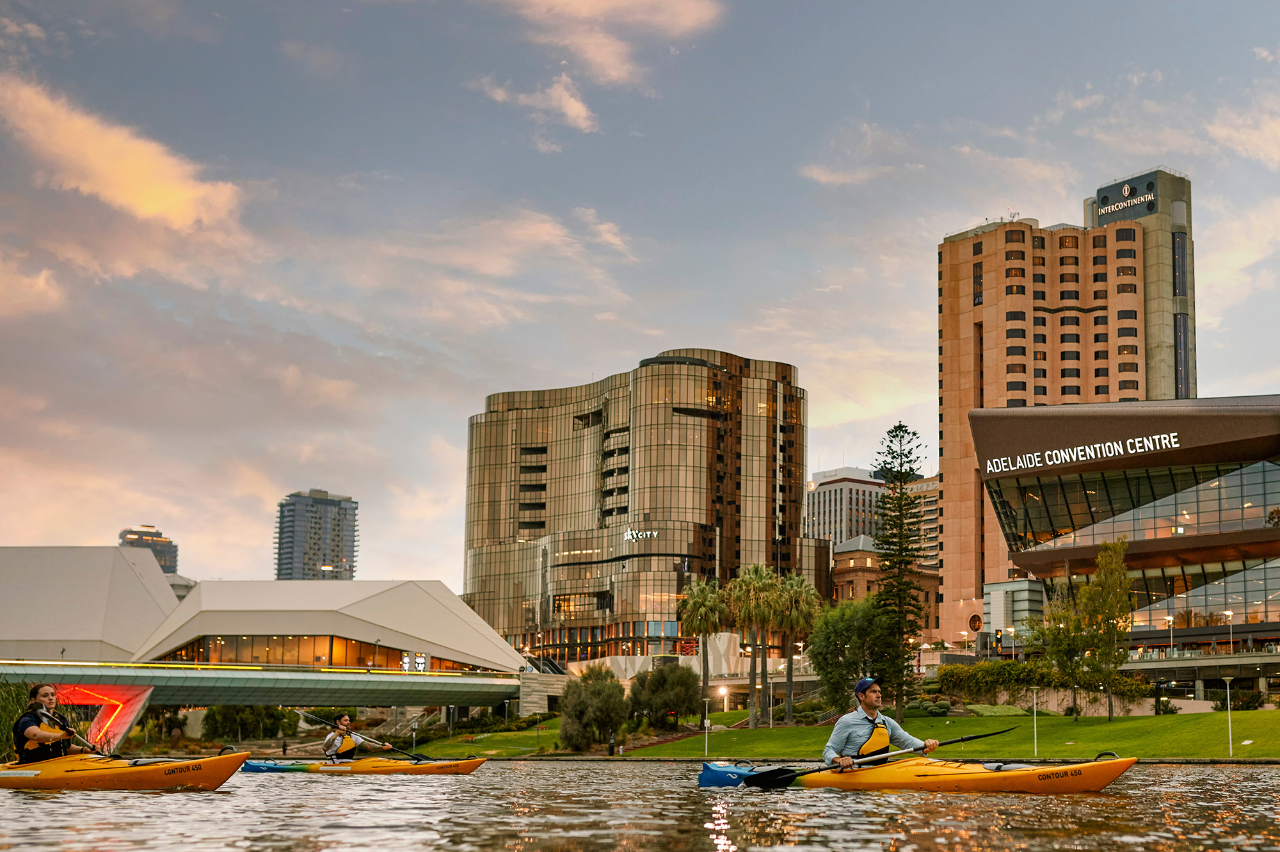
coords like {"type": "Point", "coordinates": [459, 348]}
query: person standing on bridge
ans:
{"type": "Point", "coordinates": [42, 733]}
{"type": "Point", "coordinates": [342, 744]}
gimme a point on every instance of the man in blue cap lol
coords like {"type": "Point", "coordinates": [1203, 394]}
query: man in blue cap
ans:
{"type": "Point", "coordinates": [866, 731]}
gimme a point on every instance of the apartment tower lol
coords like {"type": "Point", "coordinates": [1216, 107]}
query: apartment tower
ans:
{"type": "Point", "coordinates": [1028, 316]}
{"type": "Point", "coordinates": [590, 508]}
{"type": "Point", "coordinates": [317, 537]}
{"type": "Point", "coordinates": [841, 504]}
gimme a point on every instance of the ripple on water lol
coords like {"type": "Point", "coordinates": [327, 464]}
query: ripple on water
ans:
{"type": "Point", "coordinates": [633, 806]}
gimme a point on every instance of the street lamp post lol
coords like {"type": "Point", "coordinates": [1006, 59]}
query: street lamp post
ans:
{"type": "Point", "coordinates": [1013, 643]}
{"type": "Point", "coordinates": [506, 711]}
{"type": "Point", "coordinates": [1035, 725]}
{"type": "Point", "coordinates": [1230, 746]}
{"type": "Point", "coordinates": [451, 721]}
{"type": "Point", "coordinates": [706, 727]}
{"type": "Point", "coordinates": [1169, 618]}
{"type": "Point", "coordinates": [1231, 644]}
{"type": "Point", "coordinates": [724, 693]}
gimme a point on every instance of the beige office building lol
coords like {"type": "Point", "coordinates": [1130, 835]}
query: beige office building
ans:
{"type": "Point", "coordinates": [590, 508]}
{"type": "Point", "coordinates": [1045, 316]}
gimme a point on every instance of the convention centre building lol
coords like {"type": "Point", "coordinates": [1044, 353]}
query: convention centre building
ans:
{"type": "Point", "coordinates": [1192, 484]}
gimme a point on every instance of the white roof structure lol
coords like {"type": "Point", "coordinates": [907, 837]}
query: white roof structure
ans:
{"type": "Point", "coordinates": [416, 616]}
{"type": "Point", "coordinates": [81, 603]}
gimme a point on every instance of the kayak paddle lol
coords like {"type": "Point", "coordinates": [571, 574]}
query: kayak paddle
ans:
{"type": "Point", "coordinates": [416, 758]}
{"type": "Point", "coordinates": [53, 720]}
{"type": "Point", "coordinates": [783, 776]}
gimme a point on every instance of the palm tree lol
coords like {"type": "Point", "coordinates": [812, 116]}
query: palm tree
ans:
{"type": "Point", "coordinates": [798, 605]}
{"type": "Point", "coordinates": [703, 612]}
{"type": "Point", "coordinates": [747, 595]}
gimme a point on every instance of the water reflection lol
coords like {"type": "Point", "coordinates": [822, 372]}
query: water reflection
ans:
{"type": "Point", "coordinates": [630, 806]}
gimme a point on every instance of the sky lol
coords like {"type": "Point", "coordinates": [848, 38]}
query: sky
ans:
{"type": "Point", "coordinates": [250, 248]}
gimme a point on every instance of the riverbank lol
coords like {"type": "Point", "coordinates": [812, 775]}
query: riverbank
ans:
{"type": "Point", "coordinates": [1202, 735]}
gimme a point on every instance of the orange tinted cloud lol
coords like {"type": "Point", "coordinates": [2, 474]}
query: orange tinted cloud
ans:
{"type": "Point", "coordinates": [81, 152]}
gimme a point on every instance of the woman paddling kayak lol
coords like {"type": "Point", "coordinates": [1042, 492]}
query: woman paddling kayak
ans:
{"type": "Point", "coordinates": [42, 733]}
{"type": "Point", "coordinates": [341, 745]}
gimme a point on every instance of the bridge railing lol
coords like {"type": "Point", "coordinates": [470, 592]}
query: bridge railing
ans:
{"type": "Point", "coordinates": [253, 667]}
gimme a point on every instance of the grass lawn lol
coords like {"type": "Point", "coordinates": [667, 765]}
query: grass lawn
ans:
{"type": "Point", "coordinates": [726, 719]}
{"type": "Point", "coordinates": [506, 744]}
{"type": "Point", "coordinates": [1188, 735]}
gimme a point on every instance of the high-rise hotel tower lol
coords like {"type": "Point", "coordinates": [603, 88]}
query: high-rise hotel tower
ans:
{"type": "Point", "coordinates": [1027, 316]}
{"type": "Point", "coordinates": [590, 508]}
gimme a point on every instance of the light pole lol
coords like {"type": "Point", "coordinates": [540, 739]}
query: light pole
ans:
{"type": "Point", "coordinates": [1231, 645]}
{"type": "Point", "coordinates": [1169, 618]}
{"type": "Point", "coordinates": [1013, 643]}
{"type": "Point", "coordinates": [724, 693]}
{"type": "Point", "coordinates": [1035, 725]}
{"type": "Point", "coordinates": [706, 727]}
{"type": "Point", "coordinates": [506, 711]}
{"type": "Point", "coordinates": [413, 726]}
{"type": "Point", "coordinates": [450, 721]}
{"type": "Point", "coordinates": [1230, 746]}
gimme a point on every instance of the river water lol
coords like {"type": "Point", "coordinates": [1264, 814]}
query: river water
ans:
{"type": "Point", "coordinates": [522, 806]}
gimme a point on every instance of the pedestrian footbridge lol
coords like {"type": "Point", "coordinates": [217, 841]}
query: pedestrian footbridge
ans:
{"type": "Point", "coordinates": [123, 690]}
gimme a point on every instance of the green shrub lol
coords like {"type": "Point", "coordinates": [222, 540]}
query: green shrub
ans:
{"type": "Point", "coordinates": [985, 710]}
{"type": "Point", "coordinates": [917, 713]}
{"type": "Point", "coordinates": [1168, 708]}
{"type": "Point", "coordinates": [943, 703]}
{"type": "Point", "coordinates": [1241, 699]}
{"type": "Point", "coordinates": [913, 705]}
{"type": "Point", "coordinates": [938, 710]}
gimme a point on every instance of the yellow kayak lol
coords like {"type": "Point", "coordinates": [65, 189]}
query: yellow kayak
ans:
{"type": "Point", "coordinates": [921, 773]}
{"type": "Point", "coordinates": [95, 772]}
{"type": "Point", "coordinates": [368, 766]}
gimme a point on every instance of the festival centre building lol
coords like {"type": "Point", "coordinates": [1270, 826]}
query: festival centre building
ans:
{"type": "Point", "coordinates": [1193, 484]}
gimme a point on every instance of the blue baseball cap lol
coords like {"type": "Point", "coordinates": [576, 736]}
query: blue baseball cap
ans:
{"type": "Point", "coordinates": [866, 683]}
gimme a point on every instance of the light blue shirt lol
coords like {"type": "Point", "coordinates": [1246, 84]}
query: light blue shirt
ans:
{"type": "Point", "coordinates": [854, 729]}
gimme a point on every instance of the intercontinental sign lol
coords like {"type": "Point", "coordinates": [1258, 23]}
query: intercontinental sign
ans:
{"type": "Point", "coordinates": [1084, 452]}
{"type": "Point", "coordinates": [1128, 202]}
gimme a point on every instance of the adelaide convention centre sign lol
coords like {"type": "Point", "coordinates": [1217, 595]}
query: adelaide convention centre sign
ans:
{"type": "Point", "coordinates": [1084, 452]}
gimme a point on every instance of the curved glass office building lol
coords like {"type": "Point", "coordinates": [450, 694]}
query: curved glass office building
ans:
{"type": "Point", "coordinates": [1194, 485]}
{"type": "Point", "coordinates": [590, 508]}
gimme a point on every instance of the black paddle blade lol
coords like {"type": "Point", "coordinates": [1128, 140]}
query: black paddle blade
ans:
{"type": "Point", "coordinates": [771, 779]}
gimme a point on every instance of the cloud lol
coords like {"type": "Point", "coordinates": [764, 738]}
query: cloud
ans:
{"type": "Point", "coordinates": [599, 34]}
{"type": "Point", "coordinates": [605, 233]}
{"type": "Point", "coordinates": [22, 294]}
{"type": "Point", "coordinates": [1252, 131]}
{"type": "Point", "coordinates": [560, 101]}
{"type": "Point", "coordinates": [833, 177]}
{"type": "Point", "coordinates": [1230, 249]}
{"type": "Point", "coordinates": [80, 152]}
{"type": "Point", "coordinates": [312, 390]}
{"type": "Point", "coordinates": [316, 60]}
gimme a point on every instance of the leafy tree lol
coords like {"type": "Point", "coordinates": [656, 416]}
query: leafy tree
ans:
{"type": "Point", "coordinates": [13, 703]}
{"type": "Point", "coordinates": [224, 721]}
{"type": "Point", "coordinates": [591, 708]}
{"type": "Point", "coordinates": [703, 612]}
{"type": "Point", "coordinates": [840, 646]}
{"type": "Point", "coordinates": [1062, 636]}
{"type": "Point", "coordinates": [665, 694]}
{"type": "Point", "coordinates": [898, 543]}
{"type": "Point", "coordinates": [1106, 613]}
{"type": "Point", "coordinates": [751, 602]}
{"type": "Point", "coordinates": [798, 605]}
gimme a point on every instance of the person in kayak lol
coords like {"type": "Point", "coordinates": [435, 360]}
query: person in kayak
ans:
{"type": "Point", "coordinates": [341, 745]}
{"type": "Point", "coordinates": [866, 731]}
{"type": "Point", "coordinates": [42, 733]}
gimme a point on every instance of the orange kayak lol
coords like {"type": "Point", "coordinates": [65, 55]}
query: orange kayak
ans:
{"type": "Point", "coordinates": [941, 776]}
{"type": "Point", "coordinates": [368, 766]}
{"type": "Point", "coordinates": [95, 772]}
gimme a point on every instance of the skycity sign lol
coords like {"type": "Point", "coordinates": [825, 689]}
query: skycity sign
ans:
{"type": "Point", "coordinates": [1084, 452]}
{"type": "Point", "coordinates": [636, 535]}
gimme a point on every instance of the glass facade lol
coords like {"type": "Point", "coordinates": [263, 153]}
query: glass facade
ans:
{"type": "Point", "coordinates": [1048, 512]}
{"type": "Point", "coordinates": [313, 651]}
{"type": "Point", "coordinates": [590, 508]}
